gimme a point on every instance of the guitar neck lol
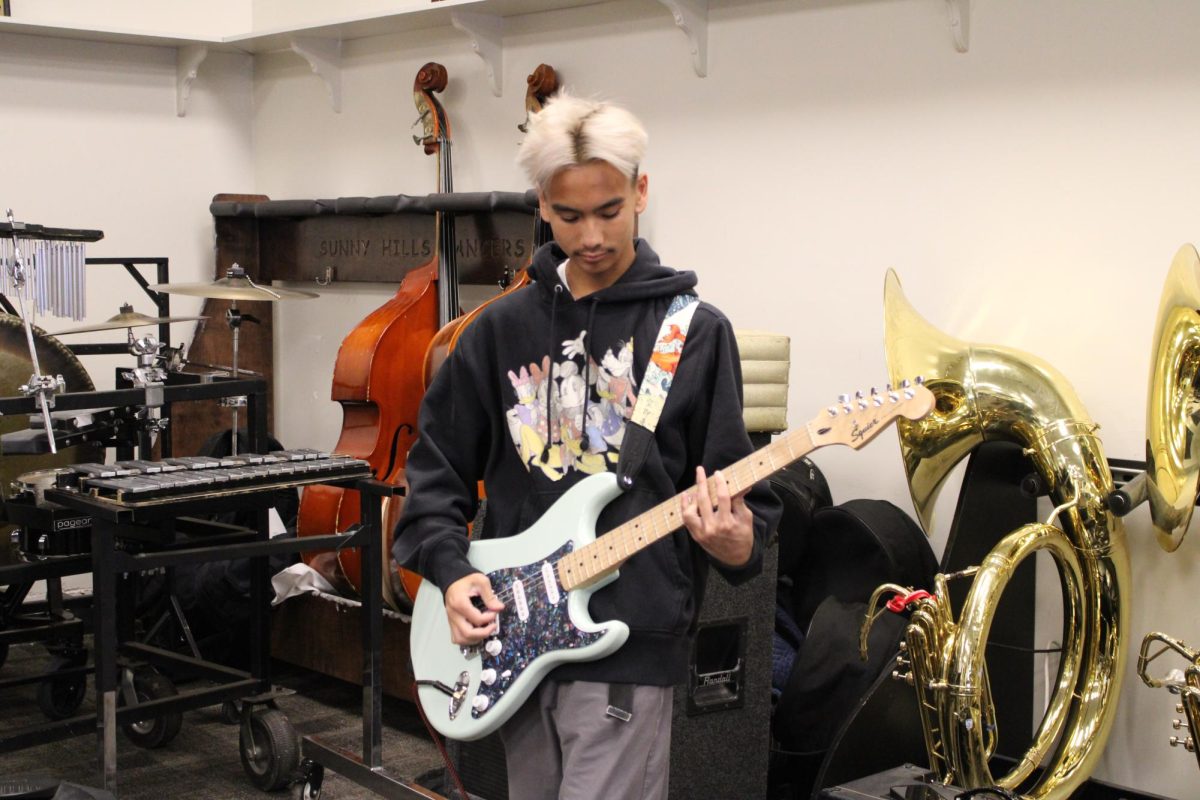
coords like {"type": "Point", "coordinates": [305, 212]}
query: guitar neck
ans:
{"type": "Point", "coordinates": [592, 562]}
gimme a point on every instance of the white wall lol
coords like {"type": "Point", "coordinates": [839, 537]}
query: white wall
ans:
{"type": "Point", "coordinates": [1031, 192]}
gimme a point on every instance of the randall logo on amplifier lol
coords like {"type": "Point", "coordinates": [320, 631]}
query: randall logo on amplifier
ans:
{"type": "Point", "coordinates": [718, 666]}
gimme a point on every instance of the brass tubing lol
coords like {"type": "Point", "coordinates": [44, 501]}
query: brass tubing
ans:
{"type": "Point", "coordinates": [966, 668]}
{"type": "Point", "coordinates": [989, 393]}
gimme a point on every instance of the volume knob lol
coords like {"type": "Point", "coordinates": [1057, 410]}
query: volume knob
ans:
{"type": "Point", "coordinates": [480, 703]}
{"type": "Point", "coordinates": [493, 647]}
{"type": "Point", "coordinates": [488, 676]}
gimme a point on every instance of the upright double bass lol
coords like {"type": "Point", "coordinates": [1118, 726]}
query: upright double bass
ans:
{"type": "Point", "coordinates": [540, 84]}
{"type": "Point", "coordinates": [377, 375]}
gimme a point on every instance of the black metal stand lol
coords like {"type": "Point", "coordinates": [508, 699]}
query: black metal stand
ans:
{"type": "Point", "coordinates": [366, 770]}
{"type": "Point", "coordinates": [130, 540]}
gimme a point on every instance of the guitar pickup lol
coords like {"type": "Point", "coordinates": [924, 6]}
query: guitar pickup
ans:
{"type": "Point", "coordinates": [518, 590]}
{"type": "Point", "coordinates": [550, 583]}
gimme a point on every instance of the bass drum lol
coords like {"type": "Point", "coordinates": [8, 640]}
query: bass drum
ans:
{"type": "Point", "coordinates": [15, 368]}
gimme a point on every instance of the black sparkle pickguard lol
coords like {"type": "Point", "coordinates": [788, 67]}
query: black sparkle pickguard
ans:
{"type": "Point", "coordinates": [548, 627]}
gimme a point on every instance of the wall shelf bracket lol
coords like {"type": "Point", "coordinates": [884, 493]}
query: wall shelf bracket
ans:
{"type": "Point", "coordinates": [960, 23]}
{"type": "Point", "coordinates": [187, 66]}
{"type": "Point", "coordinates": [691, 17]}
{"type": "Point", "coordinates": [486, 32]}
{"type": "Point", "coordinates": [324, 56]}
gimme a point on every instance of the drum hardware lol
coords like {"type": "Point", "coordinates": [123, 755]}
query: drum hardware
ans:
{"type": "Point", "coordinates": [105, 426]}
{"type": "Point", "coordinates": [235, 286]}
{"type": "Point", "coordinates": [40, 386]}
{"type": "Point", "coordinates": [52, 282]}
{"type": "Point", "coordinates": [219, 371]}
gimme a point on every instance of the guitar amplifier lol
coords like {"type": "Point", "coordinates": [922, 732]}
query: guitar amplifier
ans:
{"type": "Point", "coordinates": [720, 732]}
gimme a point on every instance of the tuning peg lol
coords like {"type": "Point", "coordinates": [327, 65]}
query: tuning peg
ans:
{"type": "Point", "coordinates": [1179, 708]}
{"type": "Point", "coordinates": [876, 400]}
{"type": "Point", "coordinates": [1187, 743]}
{"type": "Point", "coordinates": [919, 380]}
{"type": "Point", "coordinates": [1179, 724]}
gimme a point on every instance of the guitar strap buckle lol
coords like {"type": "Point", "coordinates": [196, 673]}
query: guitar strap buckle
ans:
{"type": "Point", "coordinates": [620, 701]}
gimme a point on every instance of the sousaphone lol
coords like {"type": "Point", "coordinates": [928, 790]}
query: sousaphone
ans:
{"type": "Point", "coordinates": [989, 393]}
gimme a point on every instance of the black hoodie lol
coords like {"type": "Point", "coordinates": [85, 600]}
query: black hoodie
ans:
{"type": "Point", "coordinates": [485, 418]}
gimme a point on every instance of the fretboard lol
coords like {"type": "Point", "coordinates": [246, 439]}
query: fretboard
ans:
{"type": "Point", "coordinates": [592, 562]}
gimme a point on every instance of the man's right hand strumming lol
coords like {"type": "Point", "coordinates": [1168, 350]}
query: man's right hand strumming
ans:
{"type": "Point", "coordinates": [470, 624]}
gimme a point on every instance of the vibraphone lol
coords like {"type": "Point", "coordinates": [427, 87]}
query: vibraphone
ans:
{"type": "Point", "coordinates": [139, 511]}
{"type": "Point", "coordinates": [140, 483]}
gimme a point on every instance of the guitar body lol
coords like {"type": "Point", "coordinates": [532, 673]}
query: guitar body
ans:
{"type": "Point", "coordinates": [547, 628]}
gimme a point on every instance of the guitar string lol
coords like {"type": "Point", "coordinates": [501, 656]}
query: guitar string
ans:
{"type": "Point", "coordinates": [733, 474]}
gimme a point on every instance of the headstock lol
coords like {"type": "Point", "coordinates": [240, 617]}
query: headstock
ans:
{"type": "Point", "coordinates": [540, 84]}
{"type": "Point", "coordinates": [436, 127]}
{"type": "Point", "coordinates": [857, 419]}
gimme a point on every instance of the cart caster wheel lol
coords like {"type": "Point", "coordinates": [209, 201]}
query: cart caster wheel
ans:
{"type": "Point", "coordinates": [312, 777]}
{"type": "Point", "coordinates": [60, 697]}
{"type": "Point", "coordinates": [270, 749]}
{"type": "Point", "coordinates": [231, 712]}
{"type": "Point", "coordinates": [157, 731]}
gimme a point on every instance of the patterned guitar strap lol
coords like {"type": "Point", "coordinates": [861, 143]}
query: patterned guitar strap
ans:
{"type": "Point", "coordinates": [639, 434]}
{"type": "Point", "coordinates": [656, 384]}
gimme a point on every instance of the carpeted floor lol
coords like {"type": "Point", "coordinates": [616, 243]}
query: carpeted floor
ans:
{"type": "Point", "coordinates": [203, 761]}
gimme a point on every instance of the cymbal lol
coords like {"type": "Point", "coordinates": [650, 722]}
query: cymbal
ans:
{"type": "Point", "coordinates": [128, 318]}
{"type": "Point", "coordinates": [234, 286]}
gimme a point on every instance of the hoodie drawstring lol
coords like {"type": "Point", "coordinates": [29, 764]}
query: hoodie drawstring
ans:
{"type": "Point", "coordinates": [587, 366]}
{"type": "Point", "coordinates": [550, 376]}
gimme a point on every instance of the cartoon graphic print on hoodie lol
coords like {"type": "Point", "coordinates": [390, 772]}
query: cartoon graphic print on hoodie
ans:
{"type": "Point", "coordinates": [583, 436]}
{"type": "Point", "coordinates": [534, 397]}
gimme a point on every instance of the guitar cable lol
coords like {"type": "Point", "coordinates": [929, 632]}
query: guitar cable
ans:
{"type": "Point", "coordinates": [437, 741]}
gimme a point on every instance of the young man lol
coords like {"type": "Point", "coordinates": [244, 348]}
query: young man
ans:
{"type": "Point", "coordinates": [537, 396]}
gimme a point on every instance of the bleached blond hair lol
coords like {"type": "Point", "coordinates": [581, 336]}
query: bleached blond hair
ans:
{"type": "Point", "coordinates": [571, 131]}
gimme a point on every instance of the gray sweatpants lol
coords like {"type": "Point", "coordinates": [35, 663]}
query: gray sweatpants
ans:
{"type": "Point", "coordinates": [561, 745]}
